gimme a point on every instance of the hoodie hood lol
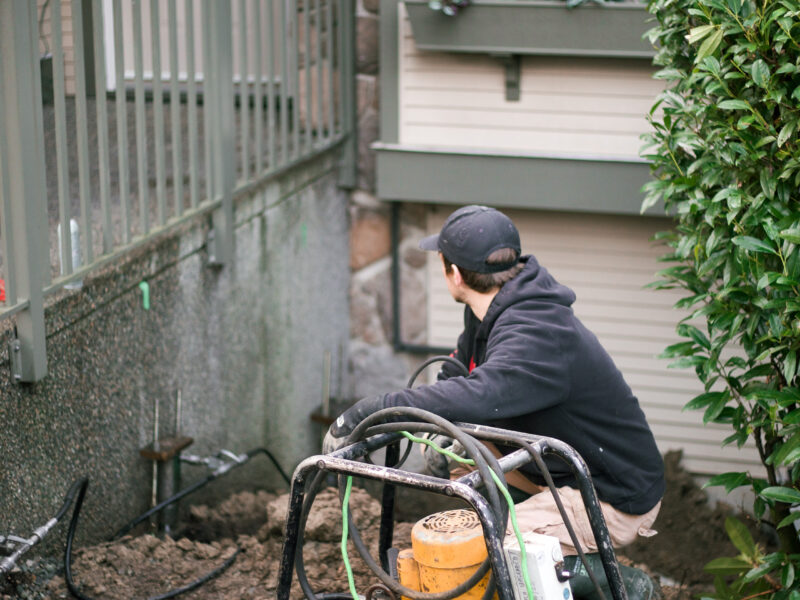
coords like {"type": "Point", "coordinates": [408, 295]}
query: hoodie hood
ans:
{"type": "Point", "coordinates": [533, 284]}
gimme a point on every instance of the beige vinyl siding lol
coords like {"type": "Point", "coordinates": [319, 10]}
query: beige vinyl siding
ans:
{"type": "Point", "coordinates": [568, 106]}
{"type": "Point", "coordinates": [607, 260]}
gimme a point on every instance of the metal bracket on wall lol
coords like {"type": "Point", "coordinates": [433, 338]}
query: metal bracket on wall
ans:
{"type": "Point", "coordinates": [513, 77]}
{"type": "Point", "coordinates": [15, 359]}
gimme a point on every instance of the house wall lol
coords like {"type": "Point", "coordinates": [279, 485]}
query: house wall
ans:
{"type": "Point", "coordinates": [567, 105]}
{"type": "Point", "coordinates": [608, 260]}
{"type": "Point", "coordinates": [245, 346]}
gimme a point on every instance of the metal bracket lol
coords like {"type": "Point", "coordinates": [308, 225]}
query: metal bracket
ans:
{"type": "Point", "coordinates": [15, 359]}
{"type": "Point", "coordinates": [513, 77]}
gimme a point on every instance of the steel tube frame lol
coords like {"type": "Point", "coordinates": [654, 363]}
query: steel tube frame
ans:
{"type": "Point", "coordinates": [493, 532]}
{"type": "Point", "coordinates": [344, 462]}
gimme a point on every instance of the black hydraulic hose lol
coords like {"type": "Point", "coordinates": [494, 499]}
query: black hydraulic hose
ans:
{"type": "Point", "coordinates": [554, 491]}
{"type": "Point", "coordinates": [475, 450]}
{"type": "Point", "coordinates": [274, 461]}
{"type": "Point", "coordinates": [393, 585]}
{"type": "Point", "coordinates": [73, 524]}
{"type": "Point", "coordinates": [84, 484]}
{"type": "Point", "coordinates": [442, 358]}
{"type": "Point", "coordinates": [197, 485]}
{"type": "Point", "coordinates": [8, 562]}
{"type": "Point", "coordinates": [198, 582]}
{"type": "Point", "coordinates": [162, 505]}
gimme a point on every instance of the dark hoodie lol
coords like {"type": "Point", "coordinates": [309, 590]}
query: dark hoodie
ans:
{"type": "Point", "coordinates": [535, 368]}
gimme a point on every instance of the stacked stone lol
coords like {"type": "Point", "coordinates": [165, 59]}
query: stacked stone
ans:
{"type": "Point", "coordinates": [374, 365]}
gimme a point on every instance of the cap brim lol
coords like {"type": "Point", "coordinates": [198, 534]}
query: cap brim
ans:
{"type": "Point", "coordinates": [430, 243]}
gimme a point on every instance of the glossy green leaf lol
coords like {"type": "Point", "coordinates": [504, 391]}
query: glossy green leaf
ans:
{"type": "Point", "coordinates": [727, 566]}
{"type": "Point", "coordinates": [795, 516]}
{"type": "Point", "coordinates": [781, 494]}
{"type": "Point", "coordinates": [760, 73]}
{"type": "Point", "coordinates": [792, 235]}
{"type": "Point", "coordinates": [740, 537]}
{"type": "Point", "coordinates": [698, 33]}
{"type": "Point", "coordinates": [729, 481]}
{"type": "Point", "coordinates": [734, 105]}
{"type": "Point", "coordinates": [753, 244]}
{"type": "Point", "coordinates": [710, 44]}
{"type": "Point", "coordinates": [790, 366]}
{"type": "Point", "coordinates": [704, 400]}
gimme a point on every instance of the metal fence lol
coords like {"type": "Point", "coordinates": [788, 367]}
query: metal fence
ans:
{"type": "Point", "coordinates": [121, 119]}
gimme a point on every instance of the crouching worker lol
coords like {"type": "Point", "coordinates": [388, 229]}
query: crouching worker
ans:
{"type": "Point", "coordinates": [535, 368]}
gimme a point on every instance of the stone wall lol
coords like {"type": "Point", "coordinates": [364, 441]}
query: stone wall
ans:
{"type": "Point", "coordinates": [245, 345]}
{"type": "Point", "coordinates": [375, 366]}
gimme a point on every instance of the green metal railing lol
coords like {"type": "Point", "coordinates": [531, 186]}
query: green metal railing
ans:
{"type": "Point", "coordinates": [154, 112]}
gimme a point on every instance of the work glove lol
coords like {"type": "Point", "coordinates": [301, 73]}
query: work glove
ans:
{"type": "Point", "coordinates": [348, 420]}
{"type": "Point", "coordinates": [437, 463]}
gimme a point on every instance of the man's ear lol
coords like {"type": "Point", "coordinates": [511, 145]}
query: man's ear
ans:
{"type": "Point", "coordinates": [457, 278]}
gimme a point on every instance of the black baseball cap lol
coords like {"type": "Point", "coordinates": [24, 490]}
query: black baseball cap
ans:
{"type": "Point", "coordinates": [471, 234]}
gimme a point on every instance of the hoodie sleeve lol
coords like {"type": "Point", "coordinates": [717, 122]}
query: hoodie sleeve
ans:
{"type": "Point", "coordinates": [525, 370]}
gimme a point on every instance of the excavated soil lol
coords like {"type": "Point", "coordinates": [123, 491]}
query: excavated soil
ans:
{"type": "Point", "coordinates": [248, 528]}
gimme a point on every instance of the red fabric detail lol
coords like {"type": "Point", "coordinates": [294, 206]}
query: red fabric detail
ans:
{"type": "Point", "coordinates": [2, 290]}
{"type": "Point", "coordinates": [472, 364]}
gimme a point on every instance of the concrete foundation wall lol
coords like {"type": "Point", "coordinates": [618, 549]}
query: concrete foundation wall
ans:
{"type": "Point", "coordinates": [245, 346]}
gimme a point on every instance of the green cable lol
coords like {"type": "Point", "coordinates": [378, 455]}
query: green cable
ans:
{"type": "Point", "coordinates": [345, 505]}
{"type": "Point", "coordinates": [513, 514]}
{"type": "Point", "coordinates": [462, 460]}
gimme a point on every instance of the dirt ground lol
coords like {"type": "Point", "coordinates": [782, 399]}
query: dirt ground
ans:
{"type": "Point", "coordinates": [248, 528]}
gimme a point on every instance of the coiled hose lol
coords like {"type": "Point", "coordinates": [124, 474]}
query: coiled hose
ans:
{"type": "Point", "coordinates": [73, 525]}
{"type": "Point", "coordinates": [77, 492]}
{"type": "Point", "coordinates": [197, 485]}
{"type": "Point", "coordinates": [410, 419]}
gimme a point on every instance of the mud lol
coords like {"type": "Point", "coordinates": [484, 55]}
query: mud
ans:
{"type": "Point", "coordinates": [247, 529]}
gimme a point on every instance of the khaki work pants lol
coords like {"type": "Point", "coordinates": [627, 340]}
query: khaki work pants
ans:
{"type": "Point", "coordinates": [540, 514]}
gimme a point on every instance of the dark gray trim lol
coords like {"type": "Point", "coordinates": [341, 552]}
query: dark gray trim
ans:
{"type": "Point", "coordinates": [389, 91]}
{"type": "Point", "coordinates": [551, 183]}
{"type": "Point", "coordinates": [534, 27]}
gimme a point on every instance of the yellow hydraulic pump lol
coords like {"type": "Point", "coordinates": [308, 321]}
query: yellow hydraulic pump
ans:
{"type": "Point", "coordinates": [446, 548]}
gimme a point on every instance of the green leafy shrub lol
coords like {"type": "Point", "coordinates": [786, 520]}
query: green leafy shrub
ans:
{"type": "Point", "coordinates": [726, 163]}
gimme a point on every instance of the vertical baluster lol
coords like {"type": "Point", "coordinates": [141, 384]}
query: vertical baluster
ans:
{"type": "Point", "coordinates": [294, 73]}
{"type": "Point", "coordinates": [284, 105]}
{"type": "Point", "coordinates": [103, 157]}
{"type": "Point", "coordinates": [320, 87]}
{"type": "Point", "coordinates": [272, 126]}
{"type": "Point", "coordinates": [244, 92]}
{"type": "Point", "coordinates": [82, 132]}
{"type": "Point", "coordinates": [258, 115]}
{"type": "Point", "coordinates": [141, 125]}
{"type": "Point", "coordinates": [329, 41]}
{"type": "Point", "coordinates": [121, 107]}
{"type": "Point", "coordinates": [208, 116]}
{"type": "Point", "coordinates": [191, 103]}
{"type": "Point", "coordinates": [62, 155]}
{"type": "Point", "coordinates": [307, 67]}
{"type": "Point", "coordinates": [158, 112]}
{"type": "Point", "coordinates": [175, 110]}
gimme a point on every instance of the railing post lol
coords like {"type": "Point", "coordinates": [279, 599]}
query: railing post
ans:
{"type": "Point", "coordinates": [24, 174]}
{"type": "Point", "coordinates": [348, 173]}
{"type": "Point", "coordinates": [219, 95]}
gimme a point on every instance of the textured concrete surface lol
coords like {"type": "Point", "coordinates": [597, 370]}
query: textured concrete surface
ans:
{"type": "Point", "coordinates": [245, 345]}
